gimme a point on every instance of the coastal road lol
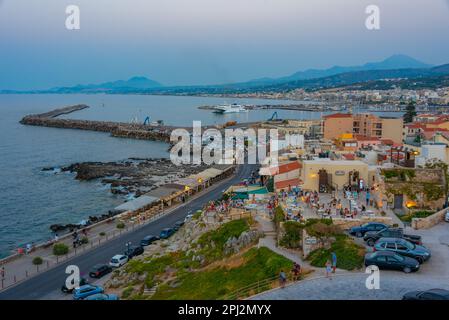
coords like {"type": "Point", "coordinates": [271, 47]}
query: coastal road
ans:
{"type": "Point", "coordinates": [47, 283]}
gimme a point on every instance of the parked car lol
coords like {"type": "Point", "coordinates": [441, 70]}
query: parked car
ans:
{"type": "Point", "coordinates": [118, 260]}
{"type": "Point", "coordinates": [132, 252]}
{"type": "Point", "coordinates": [102, 296]}
{"type": "Point", "coordinates": [391, 260]}
{"type": "Point", "coordinates": [372, 236]}
{"type": "Point", "coordinates": [404, 248]}
{"type": "Point", "coordinates": [85, 291]}
{"type": "Point", "coordinates": [188, 218]}
{"type": "Point", "coordinates": [178, 225]}
{"type": "Point", "coordinates": [166, 233]}
{"type": "Point", "coordinates": [100, 270]}
{"type": "Point", "coordinates": [83, 281]}
{"type": "Point", "coordinates": [148, 240]}
{"type": "Point", "coordinates": [446, 216]}
{"type": "Point", "coordinates": [432, 294]}
{"type": "Point", "coordinates": [370, 226]}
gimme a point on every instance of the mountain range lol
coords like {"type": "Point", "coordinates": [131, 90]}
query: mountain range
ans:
{"type": "Point", "coordinates": [395, 67]}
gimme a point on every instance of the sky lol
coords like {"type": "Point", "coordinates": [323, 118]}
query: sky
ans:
{"type": "Point", "coordinates": [185, 42]}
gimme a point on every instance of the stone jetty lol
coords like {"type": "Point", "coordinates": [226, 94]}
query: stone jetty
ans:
{"type": "Point", "coordinates": [117, 129]}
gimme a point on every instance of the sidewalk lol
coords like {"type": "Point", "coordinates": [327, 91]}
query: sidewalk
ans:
{"type": "Point", "coordinates": [22, 268]}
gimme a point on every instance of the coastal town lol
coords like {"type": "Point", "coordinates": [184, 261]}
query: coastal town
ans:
{"type": "Point", "coordinates": [338, 194]}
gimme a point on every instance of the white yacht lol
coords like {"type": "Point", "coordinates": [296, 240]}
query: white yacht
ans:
{"type": "Point", "coordinates": [230, 108]}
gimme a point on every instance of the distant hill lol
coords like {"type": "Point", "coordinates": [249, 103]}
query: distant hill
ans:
{"type": "Point", "coordinates": [398, 61]}
{"type": "Point", "coordinates": [139, 83]}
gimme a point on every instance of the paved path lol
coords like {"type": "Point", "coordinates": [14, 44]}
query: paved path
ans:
{"type": "Point", "coordinates": [48, 282]}
{"type": "Point", "coordinates": [352, 287]}
{"type": "Point", "coordinates": [393, 284]}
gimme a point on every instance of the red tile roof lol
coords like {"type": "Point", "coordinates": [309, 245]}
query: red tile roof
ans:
{"type": "Point", "coordinates": [289, 167]}
{"type": "Point", "coordinates": [349, 156]}
{"type": "Point", "coordinates": [287, 183]}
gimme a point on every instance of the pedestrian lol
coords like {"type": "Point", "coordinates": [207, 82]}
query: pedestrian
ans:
{"type": "Point", "coordinates": [28, 248]}
{"type": "Point", "coordinates": [334, 262]}
{"type": "Point", "coordinates": [368, 195]}
{"type": "Point", "coordinates": [328, 269]}
{"type": "Point", "coordinates": [282, 278]}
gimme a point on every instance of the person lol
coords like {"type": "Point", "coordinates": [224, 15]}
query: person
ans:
{"type": "Point", "coordinates": [328, 269]}
{"type": "Point", "coordinates": [56, 237]}
{"type": "Point", "coordinates": [28, 248]}
{"type": "Point", "coordinates": [282, 278]}
{"type": "Point", "coordinates": [368, 195]}
{"type": "Point", "coordinates": [334, 262]}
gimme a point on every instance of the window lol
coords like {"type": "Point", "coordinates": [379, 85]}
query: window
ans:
{"type": "Point", "coordinates": [391, 245]}
{"type": "Point", "coordinates": [401, 247]}
{"type": "Point", "coordinates": [382, 259]}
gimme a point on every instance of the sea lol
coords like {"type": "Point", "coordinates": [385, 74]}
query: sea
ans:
{"type": "Point", "coordinates": [32, 199]}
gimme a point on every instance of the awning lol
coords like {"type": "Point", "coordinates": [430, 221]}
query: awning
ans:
{"type": "Point", "coordinates": [137, 203]}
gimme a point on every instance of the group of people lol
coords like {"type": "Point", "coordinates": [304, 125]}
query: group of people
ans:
{"type": "Point", "coordinates": [295, 272]}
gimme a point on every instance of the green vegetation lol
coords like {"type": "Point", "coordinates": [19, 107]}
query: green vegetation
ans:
{"type": "Point", "coordinates": [212, 242]}
{"type": "Point", "coordinates": [410, 113]}
{"type": "Point", "coordinates": [279, 215]}
{"type": "Point", "coordinates": [60, 249]}
{"type": "Point", "coordinates": [127, 292]}
{"type": "Point", "coordinates": [102, 234]}
{"type": "Point", "coordinates": [84, 240]}
{"type": "Point", "coordinates": [350, 256]}
{"type": "Point", "coordinates": [256, 265]}
{"type": "Point", "coordinates": [416, 214]}
{"type": "Point", "coordinates": [197, 215]}
{"type": "Point", "coordinates": [401, 174]}
{"type": "Point", "coordinates": [37, 261]}
{"type": "Point", "coordinates": [120, 225]}
{"type": "Point", "coordinates": [292, 234]}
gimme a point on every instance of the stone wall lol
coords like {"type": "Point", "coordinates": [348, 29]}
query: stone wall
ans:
{"type": "Point", "coordinates": [349, 223]}
{"type": "Point", "coordinates": [430, 221]}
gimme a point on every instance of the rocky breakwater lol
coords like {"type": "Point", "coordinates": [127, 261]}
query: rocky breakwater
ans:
{"type": "Point", "coordinates": [117, 129]}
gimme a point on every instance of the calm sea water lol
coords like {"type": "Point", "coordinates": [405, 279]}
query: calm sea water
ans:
{"type": "Point", "coordinates": [31, 200]}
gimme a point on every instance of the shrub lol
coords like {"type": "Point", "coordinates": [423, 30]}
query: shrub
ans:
{"type": "Point", "coordinates": [127, 292]}
{"type": "Point", "coordinates": [102, 234]}
{"type": "Point", "coordinates": [84, 240]}
{"type": "Point", "coordinates": [293, 234]}
{"type": "Point", "coordinates": [37, 261]}
{"type": "Point", "coordinates": [279, 215]}
{"type": "Point", "coordinates": [60, 249]}
{"type": "Point", "coordinates": [350, 256]}
{"type": "Point", "coordinates": [120, 225]}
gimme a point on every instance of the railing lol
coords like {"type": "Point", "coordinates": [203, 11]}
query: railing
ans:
{"type": "Point", "coordinates": [258, 287]}
{"type": "Point", "coordinates": [13, 277]}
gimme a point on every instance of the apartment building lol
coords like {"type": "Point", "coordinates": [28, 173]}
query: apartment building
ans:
{"type": "Point", "coordinates": [363, 124]}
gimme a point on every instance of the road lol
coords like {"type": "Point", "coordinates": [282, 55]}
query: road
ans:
{"type": "Point", "coordinates": [46, 284]}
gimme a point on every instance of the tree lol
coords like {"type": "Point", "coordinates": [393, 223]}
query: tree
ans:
{"type": "Point", "coordinates": [410, 112]}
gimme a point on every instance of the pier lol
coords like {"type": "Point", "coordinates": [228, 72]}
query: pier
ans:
{"type": "Point", "coordinates": [117, 129]}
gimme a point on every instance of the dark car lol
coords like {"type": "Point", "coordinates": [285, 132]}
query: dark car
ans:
{"type": "Point", "coordinates": [432, 294]}
{"type": "Point", "coordinates": [178, 225]}
{"type": "Point", "coordinates": [100, 270]}
{"type": "Point", "coordinates": [392, 261]}
{"type": "Point", "coordinates": [372, 236]}
{"type": "Point", "coordinates": [64, 288]}
{"type": "Point", "coordinates": [370, 226]}
{"type": "Point", "coordinates": [166, 233]}
{"type": "Point", "coordinates": [403, 247]}
{"type": "Point", "coordinates": [148, 240]}
{"type": "Point", "coordinates": [133, 251]}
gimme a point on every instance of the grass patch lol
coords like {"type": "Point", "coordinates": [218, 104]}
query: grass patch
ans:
{"type": "Point", "coordinates": [258, 264]}
{"type": "Point", "coordinates": [212, 242]}
{"type": "Point", "coordinates": [350, 255]}
{"type": "Point", "coordinates": [416, 214]}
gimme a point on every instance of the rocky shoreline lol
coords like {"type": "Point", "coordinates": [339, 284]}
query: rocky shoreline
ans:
{"type": "Point", "coordinates": [133, 176]}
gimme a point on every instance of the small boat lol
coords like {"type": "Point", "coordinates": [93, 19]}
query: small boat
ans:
{"type": "Point", "coordinates": [230, 108]}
